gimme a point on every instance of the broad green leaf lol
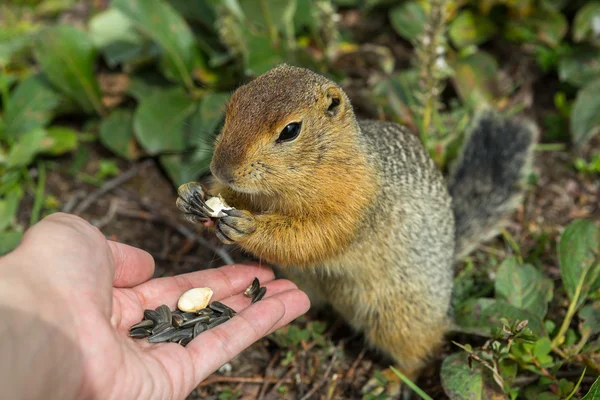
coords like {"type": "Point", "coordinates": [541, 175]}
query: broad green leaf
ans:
{"type": "Point", "coordinates": [463, 382]}
{"type": "Point", "coordinates": [580, 65]}
{"type": "Point", "coordinates": [408, 20]}
{"type": "Point", "coordinates": [586, 24]}
{"type": "Point", "coordinates": [187, 167]}
{"type": "Point", "coordinates": [207, 118]}
{"type": "Point", "coordinates": [594, 393]}
{"type": "Point", "coordinates": [579, 244]}
{"type": "Point", "coordinates": [158, 20]}
{"type": "Point", "coordinates": [30, 106]}
{"type": "Point", "coordinates": [199, 10]}
{"type": "Point", "coordinates": [116, 37]}
{"type": "Point", "coordinates": [9, 241]}
{"type": "Point", "coordinates": [585, 114]}
{"type": "Point", "coordinates": [145, 84]}
{"type": "Point", "coordinates": [265, 14]}
{"type": "Point", "coordinates": [59, 140]}
{"type": "Point", "coordinates": [9, 205]}
{"type": "Point", "coordinates": [116, 134]}
{"type": "Point", "coordinates": [591, 316]}
{"type": "Point", "coordinates": [541, 350]}
{"type": "Point", "coordinates": [485, 314]}
{"type": "Point", "coordinates": [24, 150]}
{"type": "Point", "coordinates": [261, 55]}
{"type": "Point", "coordinates": [476, 77]}
{"type": "Point", "coordinates": [158, 122]}
{"type": "Point", "coordinates": [470, 29]}
{"type": "Point", "coordinates": [524, 287]}
{"type": "Point", "coordinates": [68, 57]}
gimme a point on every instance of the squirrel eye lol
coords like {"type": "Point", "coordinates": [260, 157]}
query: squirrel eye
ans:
{"type": "Point", "coordinates": [290, 132]}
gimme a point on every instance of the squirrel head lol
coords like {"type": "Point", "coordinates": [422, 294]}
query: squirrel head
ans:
{"type": "Point", "coordinates": [287, 131]}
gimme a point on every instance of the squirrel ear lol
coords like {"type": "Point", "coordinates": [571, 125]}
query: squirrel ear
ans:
{"type": "Point", "coordinates": [333, 100]}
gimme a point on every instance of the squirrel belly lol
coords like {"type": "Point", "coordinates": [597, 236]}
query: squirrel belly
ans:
{"type": "Point", "coordinates": [357, 211]}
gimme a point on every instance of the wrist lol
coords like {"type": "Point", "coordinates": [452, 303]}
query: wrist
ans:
{"type": "Point", "coordinates": [39, 358]}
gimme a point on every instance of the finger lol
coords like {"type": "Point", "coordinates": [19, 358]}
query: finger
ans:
{"type": "Point", "coordinates": [132, 265]}
{"type": "Point", "coordinates": [226, 341]}
{"type": "Point", "coordinates": [224, 282]}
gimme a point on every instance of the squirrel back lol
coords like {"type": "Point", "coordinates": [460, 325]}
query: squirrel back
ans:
{"type": "Point", "coordinates": [486, 181]}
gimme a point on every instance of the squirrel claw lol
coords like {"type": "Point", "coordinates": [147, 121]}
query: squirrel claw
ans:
{"type": "Point", "coordinates": [235, 226]}
{"type": "Point", "coordinates": [191, 202]}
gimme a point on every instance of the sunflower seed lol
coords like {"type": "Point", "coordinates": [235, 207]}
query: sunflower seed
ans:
{"type": "Point", "coordinates": [189, 315]}
{"type": "Point", "coordinates": [163, 336]}
{"type": "Point", "coordinates": [182, 334]}
{"type": "Point", "coordinates": [177, 320]}
{"type": "Point", "coordinates": [217, 322]}
{"type": "Point", "coordinates": [253, 288]}
{"type": "Point", "coordinates": [147, 323]}
{"type": "Point", "coordinates": [199, 328]}
{"type": "Point", "coordinates": [184, 342]}
{"type": "Point", "coordinates": [153, 316]}
{"type": "Point", "coordinates": [206, 311]}
{"type": "Point", "coordinates": [163, 326]}
{"type": "Point", "coordinates": [219, 307]}
{"type": "Point", "coordinates": [165, 314]}
{"type": "Point", "coordinates": [139, 333]}
{"type": "Point", "coordinates": [192, 322]}
{"type": "Point", "coordinates": [259, 295]}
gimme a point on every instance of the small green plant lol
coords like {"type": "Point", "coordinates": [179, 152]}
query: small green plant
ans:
{"type": "Point", "coordinates": [588, 167]}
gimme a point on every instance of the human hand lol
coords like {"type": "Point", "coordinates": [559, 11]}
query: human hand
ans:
{"type": "Point", "coordinates": [70, 296]}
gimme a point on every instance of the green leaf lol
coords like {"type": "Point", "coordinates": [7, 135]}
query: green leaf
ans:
{"type": "Point", "coordinates": [594, 393]}
{"type": "Point", "coordinates": [158, 122]}
{"type": "Point", "coordinates": [580, 65]}
{"type": "Point", "coordinates": [545, 26]}
{"type": "Point", "coordinates": [542, 347]}
{"type": "Point", "coordinates": [183, 168]}
{"type": "Point", "coordinates": [68, 57]}
{"type": "Point", "coordinates": [24, 150]}
{"type": "Point", "coordinates": [116, 37]}
{"type": "Point", "coordinates": [261, 55]}
{"type": "Point", "coordinates": [591, 316]}
{"type": "Point", "coordinates": [585, 24]}
{"type": "Point", "coordinates": [476, 78]}
{"type": "Point", "coordinates": [524, 287]}
{"type": "Point", "coordinates": [470, 29]}
{"type": "Point", "coordinates": [59, 140]}
{"type": "Point", "coordinates": [164, 25]}
{"type": "Point", "coordinates": [207, 118]}
{"type": "Point", "coordinates": [116, 134]}
{"type": "Point", "coordinates": [9, 206]}
{"type": "Point", "coordinates": [585, 114]}
{"type": "Point", "coordinates": [262, 14]}
{"type": "Point", "coordinates": [201, 11]}
{"type": "Point", "coordinates": [9, 241]}
{"type": "Point", "coordinates": [30, 106]}
{"type": "Point", "coordinates": [576, 252]}
{"type": "Point", "coordinates": [408, 20]}
{"type": "Point", "coordinates": [462, 382]}
{"type": "Point", "coordinates": [485, 314]}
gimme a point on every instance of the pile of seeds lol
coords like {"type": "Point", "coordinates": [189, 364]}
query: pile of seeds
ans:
{"type": "Point", "coordinates": [163, 325]}
{"type": "Point", "coordinates": [255, 292]}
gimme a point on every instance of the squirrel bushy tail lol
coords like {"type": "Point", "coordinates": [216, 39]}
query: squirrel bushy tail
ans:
{"type": "Point", "coordinates": [487, 182]}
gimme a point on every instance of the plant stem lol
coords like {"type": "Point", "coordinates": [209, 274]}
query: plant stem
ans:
{"type": "Point", "coordinates": [39, 194]}
{"type": "Point", "coordinates": [410, 384]}
{"type": "Point", "coordinates": [267, 15]}
{"type": "Point", "coordinates": [559, 339]}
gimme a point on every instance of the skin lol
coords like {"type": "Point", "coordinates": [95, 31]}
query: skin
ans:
{"type": "Point", "coordinates": [68, 297]}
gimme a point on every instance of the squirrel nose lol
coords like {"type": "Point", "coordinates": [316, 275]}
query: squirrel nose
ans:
{"type": "Point", "coordinates": [222, 173]}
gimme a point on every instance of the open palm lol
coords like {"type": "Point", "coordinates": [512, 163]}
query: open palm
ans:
{"type": "Point", "coordinates": [105, 287]}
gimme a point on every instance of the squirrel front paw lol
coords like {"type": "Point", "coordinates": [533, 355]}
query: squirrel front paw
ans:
{"type": "Point", "coordinates": [191, 202]}
{"type": "Point", "coordinates": [235, 226]}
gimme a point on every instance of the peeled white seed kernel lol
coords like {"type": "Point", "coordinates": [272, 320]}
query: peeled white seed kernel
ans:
{"type": "Point", "coordinates": [195, 299]}
{"type": "Point", "coordinates": [217, 204]}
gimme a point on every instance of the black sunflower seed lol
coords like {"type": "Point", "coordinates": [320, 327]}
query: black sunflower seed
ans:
{"type": "Point", "coordinates": [153, 316]}
{"type": "Point", "coordinates": [184, 342]}
{"type": "Point", "coordinates": [218, 307]}
{"type": "Point", "coordinates": [163, 336]}
{"type": "Point", "coordinates": [217, 321]}
{"type": "Point", "coordinates": [163, 326]}
{"type": "Point", "coordinates": [253, 288]}
{"type": "Point", "coordinates": [192, 322]}
{"type": "Point", "coordinates": [199, 328]}
{"type": "Point", "coordinates": [259, 295]}
{"type": "Point", "coordinates": [189, 315]}
{"type": "Point", "coordinates": [147, 323]}
{"type": "Point", "coordinates": [182, 334]}
{"type": "Point", "coordinates": [177, 320]}
{"type": "Point", "coordinates": [205, 311]}
{"type": "Point", "coordinates": [139, 333]}
{"type": "Point", "coordinates": [165, 314]}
